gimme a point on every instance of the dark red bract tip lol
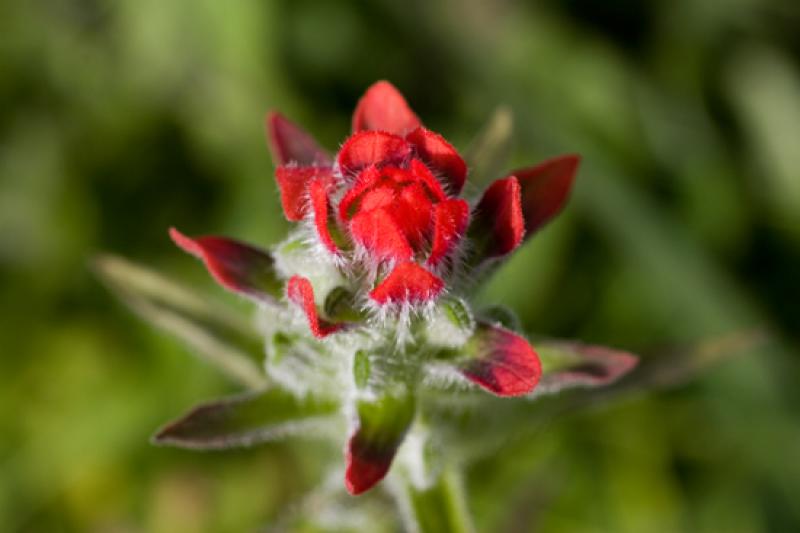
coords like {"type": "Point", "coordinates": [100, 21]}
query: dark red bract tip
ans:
{"type": "Point", "coordinates": [545, 189]}
{"type": "Point", "coordinates": [235, 265]}
{"type": "Point", "coordinates": [289, 143]}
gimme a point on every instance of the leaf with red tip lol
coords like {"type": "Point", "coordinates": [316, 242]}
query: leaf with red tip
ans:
{"type": "Point", "coordinates": [408, 282]}
{"type": "Point", "coordinates": [236, 266]}
{"type": "Point", "coordinates": [300, 292]}
{"type": "Point", "coordinates": [440, 155]}
{"type": "Point", "coordinates": [246, 420]}
{"type": "Point", "coordinates": [323, 219]}
{"type": "Point", "coordinates": [377, 148]}
{"type": "Point", "coordinates": [498, 227]}
{"type": "Point", "coordinates": [293, 183]}
{"type": "Point", "coordinates": [449, 223]}
{"type": "Point", "coordinates": [569, 364]}
{"type": "Point", "coordinates": [289, 143]}
{"type": "Point", "coordinates": [500, 361]}
{"type": "Point", "coordinates": [380, 234]}
{"type": "Point", "coordinates": [545, 189]}
{"type": "Point", "coordinates": [382, 425]}
{"type": "Point", "coordinates": [384, 108]}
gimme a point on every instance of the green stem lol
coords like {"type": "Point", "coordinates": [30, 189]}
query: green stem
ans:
{"type": "Point", "coordinates": [440, 508]}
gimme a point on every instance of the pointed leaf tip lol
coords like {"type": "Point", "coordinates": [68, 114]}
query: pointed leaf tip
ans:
{"type": "Point", "coordinates": [570, 364]}
{"type": "Point", "coordinates": [501, 362]}
{"type": "Point", "coordinates": [237, 266]}
{"type": "Point", "coordinates": [300, 291]}
{"type": "Point", "coordinates": [384, 108]}
{"type": "Point", "coordinates": [545, 189]}
{"type": "Point", "coordinates": [289, 143]}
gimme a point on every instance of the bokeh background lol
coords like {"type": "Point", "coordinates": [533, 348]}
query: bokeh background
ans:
{"type": "Point", "coordinates": [120, 118]}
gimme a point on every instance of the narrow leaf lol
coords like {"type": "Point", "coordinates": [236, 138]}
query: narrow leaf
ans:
{"type": "Point", "coordinates": [568, 364]}
{"type": "Point", "coordinates": [245, 420]}
{"type": "Point", "coordinates": [214, 331]}
{"type": "Point", "coordinates": [381, 426]}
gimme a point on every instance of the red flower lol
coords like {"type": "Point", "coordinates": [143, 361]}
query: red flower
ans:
{"type": "Point", "coordinates": [391, 193]}
{"type": "Point", "coordinates": [386, 212]}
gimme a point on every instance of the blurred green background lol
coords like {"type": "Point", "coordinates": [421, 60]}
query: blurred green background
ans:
{"type": "Point", "coordinates": [120, 118]}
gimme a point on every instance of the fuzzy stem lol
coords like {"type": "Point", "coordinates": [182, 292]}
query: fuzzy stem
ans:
{"type": "Point", "coordinates": [441, 507]}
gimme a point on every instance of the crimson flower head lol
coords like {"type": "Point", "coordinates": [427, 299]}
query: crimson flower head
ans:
{"type": "Point", "coordinates": [365, 305]}
{"type": "Point", "coordinates": [388, 204]}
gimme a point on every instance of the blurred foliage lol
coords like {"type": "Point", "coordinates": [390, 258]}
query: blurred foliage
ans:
{"type": "Point", "coordinates": [118, 119]}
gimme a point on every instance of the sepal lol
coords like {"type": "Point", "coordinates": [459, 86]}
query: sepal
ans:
{"type": "Point", "coordinates": [499, 225]}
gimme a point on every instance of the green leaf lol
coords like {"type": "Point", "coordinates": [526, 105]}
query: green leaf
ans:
{"type": "Point", "coordinates": [246, 420]}
{"type": "Point", "coordinates": [490, 150]}
{"type": "Point", "coordinates": [439, 507]}
{"type": "Point", "coordinates": [214, 332]}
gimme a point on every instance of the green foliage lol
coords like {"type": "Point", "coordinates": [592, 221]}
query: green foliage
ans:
{"type": "Point", "coordinates": [121, 119]}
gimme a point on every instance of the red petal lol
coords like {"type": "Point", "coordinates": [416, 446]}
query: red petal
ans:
{"type": "Point", "coordinates": [449, 223]}
{"type": "Point", "coordinates": [293, 182]}
{"type": "Point", "coordinates": [501, 362]}
{"type": "Point", "coordinates": [499, 216]}
{"type": "Point", "coordinates": [423, 173]}
{"type": "Point", "coordinates": [300, 291]}
{"type": "Point", "coordinates": [408, 282]}
{"type": "Point", "coordinates": [545, 189]}
{"type": "Point", "coordinates": [236, 266]}
{"type": "Point", "coordinates": [366, 179]}
{"type": "Point", "coordinates": [413, 212]}
{"type": "Point", "coordinates": [440, 155]}
{"type": "Point", "coordinates": [318, 192]}
{"type": "Point", "coordinates": [379, 233]}
{"type": "Point", "coordinates": [383, 108]}
{"type": "Point", "coordinates": [289, 143]}
{"type": "Point", "coordinates": [372, 148]}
